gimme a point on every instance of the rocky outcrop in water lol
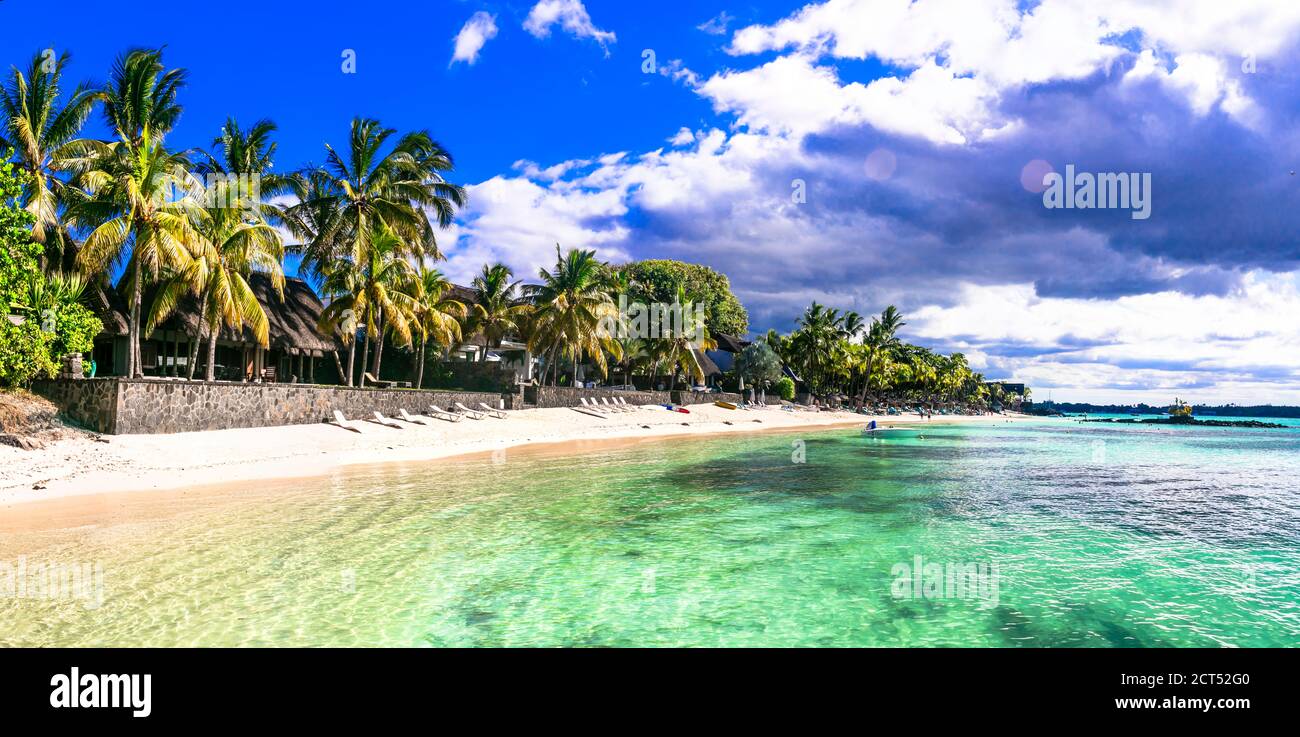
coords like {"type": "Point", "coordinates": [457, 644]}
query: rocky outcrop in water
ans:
{"type": "Point", "coordinates": [1191, 421]}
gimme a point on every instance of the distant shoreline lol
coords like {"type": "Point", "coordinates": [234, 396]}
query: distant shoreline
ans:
{"type": "Point", "coordinates": [83, 467]}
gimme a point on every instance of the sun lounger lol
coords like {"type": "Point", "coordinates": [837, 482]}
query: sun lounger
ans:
{"type": "Point", "coordinates": [613, 405]}
{"type": "Point", "coordinates": [623, 403]}
{"type": "Point", "coordinates": [593, 406]}
{"type": "Point", "coordinates": [343, 422]}
{"type": "Point", "coordinates": [473, 414]}
{"type": "Point", "coordinates": [492, 411]}
{"type": "Point", "coordinates": [442, 414]}
{"type": "Point", "coordinates": [410, 418]}
{"type": "Point", "coordinates": [379, 419]}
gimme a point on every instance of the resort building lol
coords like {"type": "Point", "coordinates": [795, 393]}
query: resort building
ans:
{"type": "Point", "coordinates": [295, 352]}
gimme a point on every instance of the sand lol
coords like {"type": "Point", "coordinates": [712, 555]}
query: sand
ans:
{"type": "Point", "coordinates": [133, 463]}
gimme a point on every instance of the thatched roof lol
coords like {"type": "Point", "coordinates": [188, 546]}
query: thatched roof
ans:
{"type": "Point", "coordinates": [292, 322]}
{"type": "Point", "coordinates": [730, 343]}
{"type": "Point", "coordinates": [706, 364]}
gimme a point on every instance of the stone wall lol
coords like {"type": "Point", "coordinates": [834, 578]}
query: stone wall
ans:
{"type": "Point", "coordinates": [139, 406]}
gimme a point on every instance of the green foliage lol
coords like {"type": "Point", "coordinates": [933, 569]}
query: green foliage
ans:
{"type": "Point", "coordinates": [656, 280]}
{"type": "Point", "coordinates": [19, 254]}
{"type": "Point", "coordinates": [26, 353]}
{"type": "Point", "coordinates": [785, 387]}
{"type": "Point", "coordinates": [52, 322]}
{"type": "Point", "coordinates": [759, 364]}
{"type": "Point", "coordinates": [75, 328]}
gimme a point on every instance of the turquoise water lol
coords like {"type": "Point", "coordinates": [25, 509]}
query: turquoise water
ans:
{"type": "Point", "coordinates": [1067, 534]}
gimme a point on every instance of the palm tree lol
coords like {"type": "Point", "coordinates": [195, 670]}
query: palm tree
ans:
{"type": "Point", "coordinates": [397, 189]}
{"type": "Point", "coordinates": [570, 306]}
{"type": "Point", "coordinates": [131, 185]}
{"type": "Point", "coordinates": [437, 315]}
{"type": "Point", "coordinates": [42, 130]}
{"type": "Point", "coordinates": [679, 346]}
{"type": "Point", "coordinates": [496, 310]}
{"type": "Point", "coordinates": [230, 249]}
{"type": "Point", "coordinates": [371, 289]}
{"type": "Point", "coordinates": [881, 337]}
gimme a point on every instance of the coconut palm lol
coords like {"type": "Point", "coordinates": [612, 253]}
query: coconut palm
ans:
{"type": "Point", "coordinates": [570, 306]}
{"type": "Point", "coordinates": [497, 309]}
{"type": "Point", "coordinates": [229, 249]}
{"type": "Point", "coordinates": [133, 188]}
{"type": "Point", "coordinates": [397, 188]}
{"type": "Point", "coordinates": [370, 289]}
{"type": "Point", "coordinates": [437, 314]}
{"type": "Point", "coordinates": [42, 129]}
{"type": "Point", "coordinates": [881, 337]}
{"type": "Point", "coordinates": [679, 346]}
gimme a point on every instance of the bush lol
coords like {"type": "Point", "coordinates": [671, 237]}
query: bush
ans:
{"type": "Point", "coordinates": [75, 330]}
{"type": "Point", "coordinates": [785, 387]}
{"type": "Point", "coordinates": [27, 354]}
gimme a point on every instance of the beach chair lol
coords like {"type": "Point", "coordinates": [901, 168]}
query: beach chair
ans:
{"type": "Point", "coordinates": [379, 419]}
{"type": "Point", "coordinates": [410, 418]}
{"type": "Point", "coordinates": [593, 406]}
{"type": "Point", "coordinates": [473, 414]}
{"type": "Point", "coordinates": [606, 401]}
{"type": "Point", "coordinates": [623, 403]}
{"type": "Point", "coordinates": [442, 414]}
{"type": "Point", "coordinates": [492, 411]}
{"type": "Point", "coordinates": [341, 421]}
{"type": "Point", "coordinates": [370, 379]}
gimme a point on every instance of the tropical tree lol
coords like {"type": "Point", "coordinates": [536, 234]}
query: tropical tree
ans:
{"type": "Point", "coordinates": [135, 199]}
{"type": "Point", "coordinates": [369, 185]}
{"type": "Point", "coordinates": [570, 308]}
{"type": "Point", "coordinates": [881, 338]}
{"type": "Point", "coordinates": [497, 309]}
{"type": "Point", "coordinates": [678, 345]}
{"type": "Point", "coordinates": [436, 314]}
{"type": "Point", "coordinates": [758, 364]}
{"type": "Point", "coordinates": [371, 290]}
{"type": "Point", "coordinates": [43, 130]}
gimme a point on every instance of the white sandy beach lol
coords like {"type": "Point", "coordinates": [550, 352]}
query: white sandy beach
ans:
{"type": "Point", "coordinates": [85, 466]}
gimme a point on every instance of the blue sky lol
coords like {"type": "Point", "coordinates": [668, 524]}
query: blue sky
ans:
{"type": "Point", "coordinates": [914, 132]}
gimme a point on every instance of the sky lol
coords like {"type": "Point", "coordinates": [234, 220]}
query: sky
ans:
{"type": "Point", "coordinates": [855, 152]}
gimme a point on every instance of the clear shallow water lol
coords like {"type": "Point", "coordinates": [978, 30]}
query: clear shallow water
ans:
{"type": "Point", "coordinates": [1099, 536]}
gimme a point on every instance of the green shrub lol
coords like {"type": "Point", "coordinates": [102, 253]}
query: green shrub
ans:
{"type": "Point", "coordinates": [75, 330]}
{"type": "Point", "coordinates": [785, 387]}
{"type": "Point", "coordinates": [27, 354]}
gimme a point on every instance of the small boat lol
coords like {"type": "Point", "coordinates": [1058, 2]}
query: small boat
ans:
{"type": "Point", "coordinates": [875, 431]}
{"type": "Point", "coordinates": [725, 405]}
{"type": "Point", "coordinates": [671, 408]}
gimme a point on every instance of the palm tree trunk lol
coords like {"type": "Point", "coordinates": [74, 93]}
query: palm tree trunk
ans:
{"type": "Point", "coordinates": [365, 356]}
{"type": "Point", "coordinates": [352, 356]}
{"type": "Point", "coordinates": [192, 365]}
{"type": "Point", "coordinates": [211, 374]}
{"type": "Point", "coordinates": [133, 368]}
{"type": "Point", "coordinates": [339, 365]}
{"type": "Point", "coordinates": [424, 355]}
{"type": "Point", "coordinates": [379, 344]}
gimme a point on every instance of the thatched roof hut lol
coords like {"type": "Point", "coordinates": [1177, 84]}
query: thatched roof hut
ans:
{"type": "Point", "coordinates": [292, 322]}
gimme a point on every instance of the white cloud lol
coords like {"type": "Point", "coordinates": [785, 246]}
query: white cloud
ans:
{"type": "Point", "coordinates": [1203, 80]}
{"type": "Point", "coordinates": [717, 25]}
{"type": "Point", "coordinates": [981, 49]}
{"type": "Point", "coordinates": [571, 15]}
{"type": "Point", "coordinates": [477, 31]}
{"type": "Point", "coordinates": [1146, 345]}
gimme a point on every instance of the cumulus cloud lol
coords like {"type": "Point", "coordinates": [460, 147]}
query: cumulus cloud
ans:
{"type": "Point", "coordinates": [570, 15]}
{"type": "Point", "coordinates": [960, 97]}
{"type": "Point", "coordinates": [477, 31]}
